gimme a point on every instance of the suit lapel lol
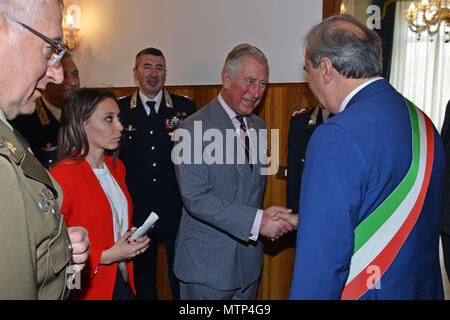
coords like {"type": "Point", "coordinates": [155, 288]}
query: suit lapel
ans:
{"type": "Point", "coordinates": [96, 189]}
{"type": "Point", "coordinates": [222, 121]}
{"type": "Point", "coordinates": [255, 173]}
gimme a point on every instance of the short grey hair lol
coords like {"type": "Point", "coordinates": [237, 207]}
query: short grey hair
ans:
{"type": "Point", "coordinates": [233, 60]}
{"type": "Point", "coordinates": [25, 11]}
{"type": "Point", "coordinates": [353, 54]}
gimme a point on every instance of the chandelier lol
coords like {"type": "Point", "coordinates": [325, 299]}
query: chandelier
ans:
{"type": "Point", "coordinates": [426, 16]}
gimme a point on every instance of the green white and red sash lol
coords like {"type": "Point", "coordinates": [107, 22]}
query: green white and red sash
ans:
{"type": "Point", "coordinates": [381, 235]}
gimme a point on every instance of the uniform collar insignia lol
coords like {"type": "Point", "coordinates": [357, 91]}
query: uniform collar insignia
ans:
{"type": "Point", "coordinates": [42, 113]}
{"type": "Point", "coordinates": [133, 101]}
{"type": "Point", "coordinates": [167, 97]}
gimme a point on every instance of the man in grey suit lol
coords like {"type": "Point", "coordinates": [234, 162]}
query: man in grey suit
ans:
{"type": "Point", "coordinates": [218, 254]}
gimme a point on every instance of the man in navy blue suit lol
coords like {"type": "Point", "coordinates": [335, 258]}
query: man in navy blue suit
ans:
{"type": "Point", "coordinates": [372, 181]}
{"type": "Point", "coordinates": [149, 117]}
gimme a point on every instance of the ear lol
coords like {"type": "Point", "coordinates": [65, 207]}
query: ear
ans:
{"type": "Point", "coordinates": [135, 77]}
{"type": "Point", "coordinates": [326, 70]}
{"type": "Point", "coordinates": [226, 80]}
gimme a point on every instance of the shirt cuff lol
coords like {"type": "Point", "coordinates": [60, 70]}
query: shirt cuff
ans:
{"type": "Point", "coordinates": [254, 233]}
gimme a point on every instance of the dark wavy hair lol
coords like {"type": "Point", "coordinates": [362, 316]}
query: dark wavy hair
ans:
{"type": "Point", "coordinates": [72, 140]}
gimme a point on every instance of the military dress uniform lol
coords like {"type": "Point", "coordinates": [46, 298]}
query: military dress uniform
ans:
{"type": "Point", "coordinates": [146, 153]}
{"type": "Point", "coordinates": [35, 246]}
{"type": "Point", "coordinates": [302, 125]}
{"type": "Point", "coordinates": [445, 225]}
{"type": "Point", "coordinates": [41, 130]}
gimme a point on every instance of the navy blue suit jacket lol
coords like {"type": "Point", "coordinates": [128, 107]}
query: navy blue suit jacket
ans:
{"type": "Point", "coordinates": [353, 162]}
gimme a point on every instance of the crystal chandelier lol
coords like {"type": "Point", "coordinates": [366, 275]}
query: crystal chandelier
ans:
{"type": "Point", "coordinates": [426, 16]}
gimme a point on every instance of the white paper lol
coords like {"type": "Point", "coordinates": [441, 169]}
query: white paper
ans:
{"type": "Point", "coordinates": [148, 224]}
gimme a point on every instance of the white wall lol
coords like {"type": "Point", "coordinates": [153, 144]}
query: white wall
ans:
{"type": "Point", "coordinates": [195, 36]}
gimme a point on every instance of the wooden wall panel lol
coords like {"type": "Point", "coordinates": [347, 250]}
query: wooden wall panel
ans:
{"type": "Point", "coordinates": [279, 103]}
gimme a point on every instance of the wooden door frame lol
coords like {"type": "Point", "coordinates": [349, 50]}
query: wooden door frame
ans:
{"type": "Point", "coordinates": [330, 7]}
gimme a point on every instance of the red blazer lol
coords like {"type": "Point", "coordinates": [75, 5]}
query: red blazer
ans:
{"type": "Point", "coordinates": [85, 204]}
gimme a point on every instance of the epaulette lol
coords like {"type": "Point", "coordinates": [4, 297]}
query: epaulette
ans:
{"type": "Point", "coordinates": [10, 151]}
{"type": "Point", "coordinates": [301, 111]}
{"type": "Point", "coordinates": [181, 95]}
{"type": "Point", "coordinates": [123, 97]}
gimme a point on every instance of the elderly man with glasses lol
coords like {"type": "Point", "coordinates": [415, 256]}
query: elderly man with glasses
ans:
{"type": "Point", "coordinates": [41, 128]}
{"type": "Point", "coordinates": [39, 255]}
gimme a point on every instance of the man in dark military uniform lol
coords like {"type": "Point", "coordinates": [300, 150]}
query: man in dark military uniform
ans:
{"type": "Point", "coordinates": [36, 246]}
{"type": "Point", "coordinates": [41, 128]}
{"type": "Point", "coordinates": [302, 125]}
{"type": "Point", "coordinates": [445, 227]}
{"type": "Point", "coordinates": [149, 117]}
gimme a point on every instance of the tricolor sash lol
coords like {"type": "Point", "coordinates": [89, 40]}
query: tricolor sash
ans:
{"type": "Point", "coordinates": [381, 235]}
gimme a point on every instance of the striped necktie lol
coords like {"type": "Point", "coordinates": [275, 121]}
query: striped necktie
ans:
{"type": "Point", "coordinates": [246, 139]}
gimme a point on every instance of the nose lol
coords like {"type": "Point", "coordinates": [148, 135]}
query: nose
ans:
{"type": "Point", "coordinates": [153, 72]}
{"type": "Point", "coordinates": [256, 91]}
{"type": "Point", "coordinates": [119, 126]}
{"type": "Point", "coordinates": [55, 73]}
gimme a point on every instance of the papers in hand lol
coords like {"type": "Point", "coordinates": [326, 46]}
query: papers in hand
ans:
{"type": "Point", "coordinates": [148, 224]}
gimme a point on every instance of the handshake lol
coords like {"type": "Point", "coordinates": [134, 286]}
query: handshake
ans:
{"type": "Point", "coordinates": [277, 221]}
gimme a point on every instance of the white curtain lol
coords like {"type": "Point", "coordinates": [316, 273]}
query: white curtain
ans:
{"type": "Point", "coordinates": [420, 70]}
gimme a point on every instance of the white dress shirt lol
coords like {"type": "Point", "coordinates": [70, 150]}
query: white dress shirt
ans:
{"type": "Point", "coordinates": [157, 99]}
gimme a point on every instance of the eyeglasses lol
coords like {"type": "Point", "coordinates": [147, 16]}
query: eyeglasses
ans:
{"type": "Point", "coordinates": [58, 49]}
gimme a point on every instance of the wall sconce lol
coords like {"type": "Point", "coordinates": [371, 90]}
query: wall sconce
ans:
{"type": "Point", "coordinates": [72, 26]}
{"type": "Point", "coordinates": [342, 8]}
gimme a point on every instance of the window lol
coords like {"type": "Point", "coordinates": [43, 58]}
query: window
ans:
{"type": "Point", "coordinates": [420, 70]}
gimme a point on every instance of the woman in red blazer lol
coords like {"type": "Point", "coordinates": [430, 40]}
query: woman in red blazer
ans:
{"type": "Point", "coordinates": [95, 195]}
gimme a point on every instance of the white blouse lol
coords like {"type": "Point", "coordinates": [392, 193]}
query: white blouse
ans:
{"type": "Point", "coordinates": [117, 201]}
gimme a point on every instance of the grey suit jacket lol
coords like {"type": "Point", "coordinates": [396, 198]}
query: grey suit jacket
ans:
{"type": "Point", "coordinates": [220, 205]}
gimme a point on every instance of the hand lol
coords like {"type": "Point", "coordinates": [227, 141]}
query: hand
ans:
{"type": "Point", "coordinates": [274, 229]}
{"type": "Point", "coordinates": [79, 241]}
{"type": "Point", "coordinates": [124, 249]}
{"type": "Point", "coordinates": [291, 218]}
